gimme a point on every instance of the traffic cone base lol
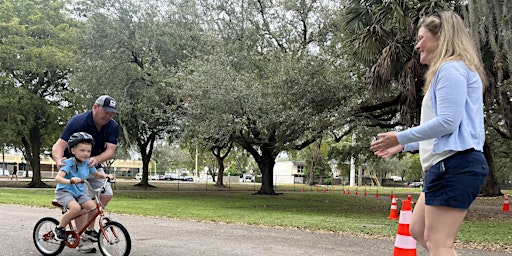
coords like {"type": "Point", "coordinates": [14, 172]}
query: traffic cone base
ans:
{"type": "Point", "coordinates": [405, 245]}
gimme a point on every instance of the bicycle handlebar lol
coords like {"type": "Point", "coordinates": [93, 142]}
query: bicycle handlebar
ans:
{"type": "Point", "coordinates": [107, 180]}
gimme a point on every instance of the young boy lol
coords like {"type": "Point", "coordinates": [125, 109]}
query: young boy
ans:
{"type": "Point", "coordinates": [70, 190]}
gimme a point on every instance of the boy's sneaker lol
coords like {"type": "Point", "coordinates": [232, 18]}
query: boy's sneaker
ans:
{"type": "Point", "coordinates": [60, 234]}
{"type": "Point", "coordinates": [86, 246]}
{"type": "Point", "coordinates": [92, 235]}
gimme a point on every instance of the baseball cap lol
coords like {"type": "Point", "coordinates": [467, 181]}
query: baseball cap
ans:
{"type": "Point", "coordinates": [108, 103]}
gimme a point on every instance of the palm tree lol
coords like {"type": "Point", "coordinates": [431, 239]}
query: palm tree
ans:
{"type": "Point", "coordinates": [380, 35]}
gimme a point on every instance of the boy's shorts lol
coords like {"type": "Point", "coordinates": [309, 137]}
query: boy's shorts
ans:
{"type": "Point", "coordinates": [64, 197]}
{"type": "Point", "coordinates": [456, 181]}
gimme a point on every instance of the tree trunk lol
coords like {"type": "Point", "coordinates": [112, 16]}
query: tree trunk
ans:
{"type": "Point", "coordinates": [144, 181]}
{"type": "Point", "coordinates": [491, 186]}
{"type": "Point", "coordinates": [220, 180]}
{"type": "Point", "coordinates": [32, 154]}
{"type": "Point", "coordinates": [219, 157]}
{"type": "Point", "coordinates": [146, 150]}
{"type": "Point", "coordinates": [266, 164]}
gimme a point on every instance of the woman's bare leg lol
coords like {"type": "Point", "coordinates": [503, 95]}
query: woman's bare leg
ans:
{"type": "Point", "coordinates": [441, 228]}
{"type": "Point", "coordinates": [417, 225]}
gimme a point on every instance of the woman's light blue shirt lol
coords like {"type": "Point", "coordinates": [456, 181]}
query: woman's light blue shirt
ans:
{"type": "Point", "coordinates": [457, 99]}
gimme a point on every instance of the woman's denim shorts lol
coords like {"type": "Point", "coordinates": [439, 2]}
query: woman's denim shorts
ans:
{"type": "Point", "coordinates": [456, 181]}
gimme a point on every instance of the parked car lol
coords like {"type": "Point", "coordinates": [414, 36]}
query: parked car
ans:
{"type": "Point", "coordinates": [187, 178]}
{"type": "Point", "coordinates": [416, 184]}
{"type": "Point", "coordinates": [138, 176]}
{"type": "Point", "coordinates": [154, 177]}
{"type": "Point", "coordinates": [247, 178]}
{"type": "Point", "coordinates": [23, 173]}
{"type": "Point", "coordinates": [172, 176]}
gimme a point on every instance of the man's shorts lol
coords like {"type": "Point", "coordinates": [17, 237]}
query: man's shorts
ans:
{"type": "Point", "coordinates": [96, 184]}
{"type": "Point", "coordinates": [456, 181]}
{"type": "Point", "coordinates": [63, 197]}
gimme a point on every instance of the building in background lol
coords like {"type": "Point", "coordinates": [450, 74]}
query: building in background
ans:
{"type": "Point", "coordinates": [119, 168]}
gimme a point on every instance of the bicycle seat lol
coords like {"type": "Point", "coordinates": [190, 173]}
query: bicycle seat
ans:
{"type": "Point", "coordinates": [55, 203]}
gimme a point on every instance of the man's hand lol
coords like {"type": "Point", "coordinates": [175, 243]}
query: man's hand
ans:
{"type": "Point", "coordinates": [60, 162]}
{"type": "Point", "coordinates": [93, 162]}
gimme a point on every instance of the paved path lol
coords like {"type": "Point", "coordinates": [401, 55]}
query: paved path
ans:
{"type": "Point", "coordinates": [162, 236]}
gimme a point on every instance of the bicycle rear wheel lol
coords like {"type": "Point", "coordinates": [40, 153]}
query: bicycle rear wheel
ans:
{"type": "Point", "coordinates": [44, 238]}
{"type": "Point", "coordinates": [115, 241]}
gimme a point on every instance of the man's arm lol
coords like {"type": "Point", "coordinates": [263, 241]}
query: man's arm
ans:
{"type": "Point", "coordinates": [58, 151]}
{"type": "Point", "coordinates": [105, 156]}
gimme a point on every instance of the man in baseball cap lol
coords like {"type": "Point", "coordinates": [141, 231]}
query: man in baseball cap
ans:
{"type": "Point", "coordinates": [107, 102]}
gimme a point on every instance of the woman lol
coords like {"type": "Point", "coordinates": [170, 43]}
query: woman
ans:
{"type": "Point", "coordinates": [451, 134]}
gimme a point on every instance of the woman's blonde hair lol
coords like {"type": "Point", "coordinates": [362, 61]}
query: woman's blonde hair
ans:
{"type": "Point", "coordinates": [454, 44]}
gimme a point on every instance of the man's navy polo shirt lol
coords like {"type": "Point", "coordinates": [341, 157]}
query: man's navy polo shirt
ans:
{"type": "Point", "coordinates": [84, 123]}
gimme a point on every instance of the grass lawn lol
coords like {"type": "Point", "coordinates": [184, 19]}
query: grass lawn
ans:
{"type": "Point", "coordinates": [329, 211]}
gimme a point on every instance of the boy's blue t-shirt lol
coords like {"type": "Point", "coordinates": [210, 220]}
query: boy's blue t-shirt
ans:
{"type": "Point", "coordinates": [79, 170]}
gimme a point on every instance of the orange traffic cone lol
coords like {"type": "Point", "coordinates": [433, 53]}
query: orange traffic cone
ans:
{"type": "Point", "coordinates": [393, 212]}
{"type": "Point", "coordinates": [325, 190]}
{"type": "Point", "coordinates": [302, 188]}
{"type": "Point", "coordinates": [377, 194]}
{"type": "Point", "coordinates": [506, 204]}
{"type": "Point", "coordinates": [405, 245]}
{"type": "Point", "coordinates": [364, 192]}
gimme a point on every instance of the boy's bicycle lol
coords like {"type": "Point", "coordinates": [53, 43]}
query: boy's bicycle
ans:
{"type": "Point", "coordinates": [113, 239]}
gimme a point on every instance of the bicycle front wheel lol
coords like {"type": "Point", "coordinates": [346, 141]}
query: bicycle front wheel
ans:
{"type": "Point", "coordinates": [44, 238]}
{"type": "Point", "coordinates": [115, 241]}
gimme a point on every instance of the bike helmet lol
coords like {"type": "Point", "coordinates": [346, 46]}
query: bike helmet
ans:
{"type": "Point", "coordinates": [79, 137]}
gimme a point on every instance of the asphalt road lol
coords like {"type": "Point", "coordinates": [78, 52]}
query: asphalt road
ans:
{"type": "Point", "coordinates": [162, 236]}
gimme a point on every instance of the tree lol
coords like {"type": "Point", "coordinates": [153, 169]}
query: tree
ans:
{"type": "Point", "coordinates": [135, 47]}
{"type": "Point", "coordinates": [490, 23]}
{"type": "Point", "coordinates": [36, 45]}
{"type": "Point", "coordinates": [284, 87]}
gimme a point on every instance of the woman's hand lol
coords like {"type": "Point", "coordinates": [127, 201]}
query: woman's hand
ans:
{"type": "Point", "coordinates": [385, 141]}
{"type": "Point", "coordinates": [385, 153]}
{"type": "Point", "coordinates": [387, 145]}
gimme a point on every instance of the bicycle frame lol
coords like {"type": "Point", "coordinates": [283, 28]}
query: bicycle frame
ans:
{"type": "Point", "coordinates": [113, 240]}
{"type": "Point", "coordinates": [73, 243]}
